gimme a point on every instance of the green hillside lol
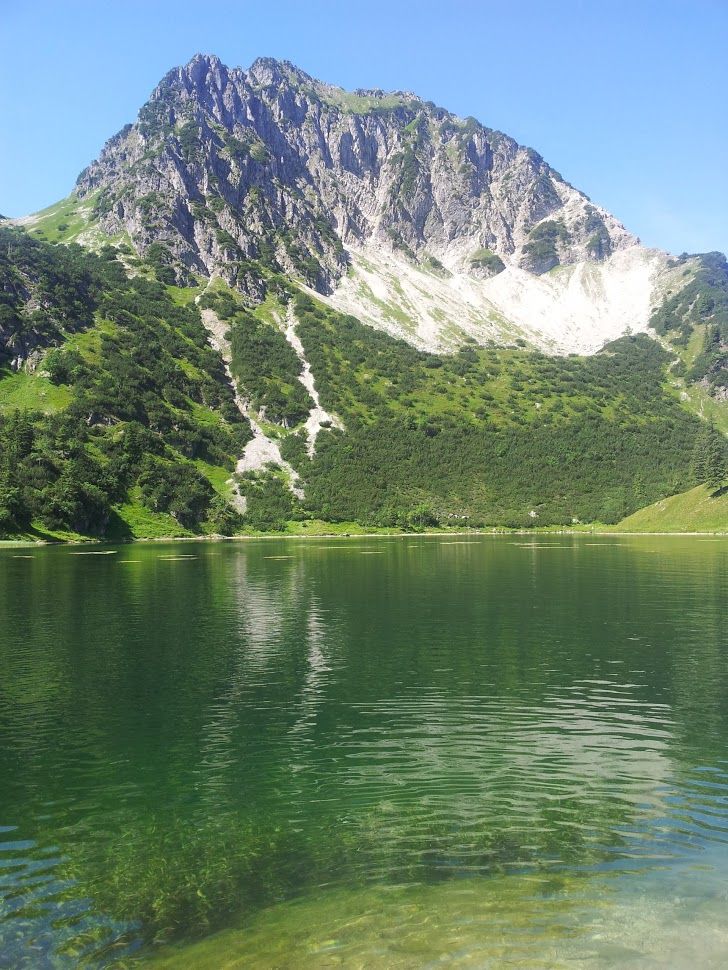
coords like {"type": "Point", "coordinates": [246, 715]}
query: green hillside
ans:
{"type": "Point", "coordinates": [697, 510]}
{"type": "Point", "coordinates": [490, 436]}
{"type": "Point", "coordinates": [120, 422]}
{"type": "Point", "coordinates": [124, 425]}
{"type": "Point", "coordinates": [481, 437]}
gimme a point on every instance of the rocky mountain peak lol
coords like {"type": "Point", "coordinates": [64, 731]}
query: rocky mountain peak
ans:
{"type": "Point", "coordinates": [202, 72]}
{"type": "Point", "coordinates": [269, 72]}
{"type": "Point", "coordinates": [226, 168]}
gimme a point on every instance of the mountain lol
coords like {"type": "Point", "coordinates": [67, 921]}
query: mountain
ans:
{"type": "Point", "coordinates": [428, 225]}
{"type": "Point", "coordinates": [431, 227]}
{"type": "Point", "coordinates": [371, 303]}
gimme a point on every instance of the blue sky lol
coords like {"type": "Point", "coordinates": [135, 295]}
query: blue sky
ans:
{"type": "Point", "coordinates": [625, 99]}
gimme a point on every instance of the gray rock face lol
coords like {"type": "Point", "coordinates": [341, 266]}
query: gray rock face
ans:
{"type": "Point", "coordinates": [225, 168]}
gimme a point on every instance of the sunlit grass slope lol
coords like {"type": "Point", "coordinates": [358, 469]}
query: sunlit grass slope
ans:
{"type": "Point", "coordinates": [698, 510]}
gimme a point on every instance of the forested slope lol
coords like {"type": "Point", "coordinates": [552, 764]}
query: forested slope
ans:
{"type": "Point", "coordinates": [491, 436]}
{"type": "Point", "coordinates": [115, 414]}
{"type": "Point", "coordinates": [117, 417]}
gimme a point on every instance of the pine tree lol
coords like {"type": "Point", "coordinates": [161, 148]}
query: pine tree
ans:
{"type": "Point", "coordinates": [716, 466]}
{"type": "Point", "coordinates": [698, 463]}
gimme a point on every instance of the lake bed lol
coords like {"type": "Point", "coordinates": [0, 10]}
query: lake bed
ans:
{"type": "Point", "coordinates": [375, 752]}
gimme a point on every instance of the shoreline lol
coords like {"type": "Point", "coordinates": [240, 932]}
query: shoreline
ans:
{"type": "Point", "coordinates": [10, 543]}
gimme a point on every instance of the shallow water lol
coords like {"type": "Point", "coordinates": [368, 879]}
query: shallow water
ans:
{"type": "Point", "coordinates": [479, 752]}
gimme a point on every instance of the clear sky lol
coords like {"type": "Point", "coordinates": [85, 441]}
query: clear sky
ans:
{"type": "Point", "coordinates": [625, 99]}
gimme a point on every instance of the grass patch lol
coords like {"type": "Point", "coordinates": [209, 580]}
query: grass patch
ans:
{"type": "Point", "coordinates": [359, 104]}
{"type": "Point", "coordinates": [218, 477]}
{"type": "Point", "coordinates": [88, 342]}
{"type": "Point", "coordinates": [697, 510]}
{"type": "Point", "coordinates": [183, 295]}
{"type": "Point", "coordinates": [139, 522]}
{"type": "Point", "coordinates": [31, 392]}
{"type": "Point", "coordinates": [63, 221]}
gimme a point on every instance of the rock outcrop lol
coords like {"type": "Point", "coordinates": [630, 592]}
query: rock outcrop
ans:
{"type": "Point", "coordinates": [226, 169]}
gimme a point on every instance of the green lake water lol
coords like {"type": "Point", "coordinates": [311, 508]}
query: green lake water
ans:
{"type": "Point", "coordinates": [365, 753]}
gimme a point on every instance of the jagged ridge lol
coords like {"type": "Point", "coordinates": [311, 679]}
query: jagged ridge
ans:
{"type": "Point", "coordinates": [226, 169]}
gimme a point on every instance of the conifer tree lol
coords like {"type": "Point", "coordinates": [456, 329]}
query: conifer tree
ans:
{"type": "Point", "coordinates": [698, 463]}
{"type": "Point", "coordinates": [716, 466]}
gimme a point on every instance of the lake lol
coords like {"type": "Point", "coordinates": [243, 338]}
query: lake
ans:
{"type": "Point", "coordinates": [468, 751]}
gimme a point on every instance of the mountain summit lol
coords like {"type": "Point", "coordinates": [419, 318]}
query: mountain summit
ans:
{"type": "Point", "coordinates": [427, 225]}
